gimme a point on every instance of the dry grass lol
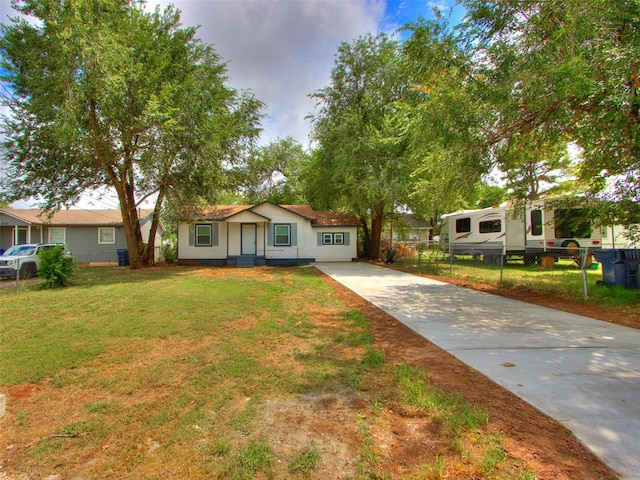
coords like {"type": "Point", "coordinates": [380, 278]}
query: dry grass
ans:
{"type": "Point", "coordinates": [212, 373]}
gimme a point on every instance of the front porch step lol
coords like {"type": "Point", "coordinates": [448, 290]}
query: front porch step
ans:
{"type": "Point", "coordinates": [245, 262]}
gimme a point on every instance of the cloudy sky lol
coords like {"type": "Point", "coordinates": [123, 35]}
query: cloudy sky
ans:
{"type": "Point", "coordinates": [283, 50]}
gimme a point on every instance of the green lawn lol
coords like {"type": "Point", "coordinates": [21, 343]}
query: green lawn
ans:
{"type": "Point", "coordinates": [564, 279]}
{"type": "Point", "coordinates": [216, 373]}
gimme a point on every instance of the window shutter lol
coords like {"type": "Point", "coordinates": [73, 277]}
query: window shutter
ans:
{"type": "Point", "coordinates": [271, 234]}
{"type": "Point", "coordinates": [294, 234]}
{"type": "Point", "coordinates": [214, 234]}
{"type": "Point", "coordinates": [192, 234]}
{"type": "Point", "coordinates": [346, 238]}
{"type": "Point", "coordinates": [320, 239]}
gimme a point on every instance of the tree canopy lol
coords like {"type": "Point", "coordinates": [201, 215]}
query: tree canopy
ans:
{"type": "Point", "coordinates": [565, 71]}
{"type": "Point", "coordinates": [273, 172]}
{"type": "Point", "coordinates": [359, 164]}
{"type": "Point", "coordinates": [107, 94]}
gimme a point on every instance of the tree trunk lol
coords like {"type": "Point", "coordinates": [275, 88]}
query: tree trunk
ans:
{"type": "Point", "coordinates": [130, 220]}
{"type": "Point", "coordinates": [148, 258]}
{"type": "Point", "coordinates": [376, 232]}
{"type": "Point", "coordinates": [367, 238]}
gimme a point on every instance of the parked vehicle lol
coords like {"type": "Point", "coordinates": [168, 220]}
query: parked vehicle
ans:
{"type": "Point", "coordinates": [537, 230]}
{"type": "Point", "coordinates": [23, 259]}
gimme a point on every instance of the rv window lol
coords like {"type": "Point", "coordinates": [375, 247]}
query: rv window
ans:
{"type": "Point", "coordinates": [571, 223]}
{"type": "Point", "coordinates": [536, 222]}
{"type": "Point", "coordinates": [491, 226]}
{"type": "Point", "coordinates": [463, 225]}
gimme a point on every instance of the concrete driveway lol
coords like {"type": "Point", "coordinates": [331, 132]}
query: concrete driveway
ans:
{"type": "Point", "coordinates": [582, 372]}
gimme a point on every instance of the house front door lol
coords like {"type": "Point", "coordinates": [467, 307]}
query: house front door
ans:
{"type": "Point", "coordinates": [248, 246]}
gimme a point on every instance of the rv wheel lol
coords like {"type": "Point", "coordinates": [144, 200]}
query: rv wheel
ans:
{"type": "Point", "coordinates": [572, 247]}
{"type": "Point", "coordinates": [573, 251]}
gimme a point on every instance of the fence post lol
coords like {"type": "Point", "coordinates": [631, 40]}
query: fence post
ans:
{"type": "Point", "coordinates": [18, 276]}
{"type": "Point", "coordinates": [450, 259]}
{"type": "Point", "coordinates": [585, 257]}
{"type": "Point", "coordinates": [503, 257]}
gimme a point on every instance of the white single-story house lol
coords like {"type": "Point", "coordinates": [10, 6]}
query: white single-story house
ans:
{"type": "Point", "coordinates": [266, 234]}
{"type": "Point", "coordinates": [92, 236]}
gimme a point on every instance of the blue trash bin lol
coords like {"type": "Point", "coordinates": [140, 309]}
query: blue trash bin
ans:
{"type": "Point", "coordinates": [619, 266]}
{"type": "Point", "coordinates": [631, 259]}
{"type": "Point", "coordinates": [607, 258]}
{"type": "Point", "coordinates": [123, 257]}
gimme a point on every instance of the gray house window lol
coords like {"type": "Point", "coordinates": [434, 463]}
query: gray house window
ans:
{"type": "Point", "coordinates": [57, 235]}
{"type": "Point", "coordinates": [282, 237]}
{"type": "Point", "coordinates": [106, 235]}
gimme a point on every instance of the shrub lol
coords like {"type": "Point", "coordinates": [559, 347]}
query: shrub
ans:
{"type": "Point", "coordinates": [169, 248]}
{"type": "Point", "coordinates": [56, 267]}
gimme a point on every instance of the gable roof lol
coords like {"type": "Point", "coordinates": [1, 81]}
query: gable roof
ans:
{"type": "Point", "coordinates": [318, 218]}
{"type": "Point", "coordinates": [413, 222]}
{"type": "Point", "coordinates": [71, 217]}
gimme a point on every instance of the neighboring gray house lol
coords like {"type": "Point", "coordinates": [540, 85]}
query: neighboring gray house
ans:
{"type": "Point", "coordinates": [92, 236]}
{"type": "Point", "coordinates": [266, 234]}
{"type": "Point", "coordinates": [409, 229]}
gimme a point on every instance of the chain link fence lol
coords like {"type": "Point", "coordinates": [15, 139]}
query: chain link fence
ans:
{"type": "Point", "coordinates": [17, 276]}
{"type": "Point", "coordinates": [571, 269]}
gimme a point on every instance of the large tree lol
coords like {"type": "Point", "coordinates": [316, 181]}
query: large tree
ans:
{"type": "Point", "coordinates": [446, 123]}
{"type": "Point", "coordinates": [566, 69]}
{"type": "Point", "coordinates": [105, 93]}
{"type": "Point", "coordinates": [360, 163]}
{"type": "Point", "coordinates": [273, 172]}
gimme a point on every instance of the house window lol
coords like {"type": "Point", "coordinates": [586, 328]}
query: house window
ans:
{"type": "Point", "coordinates": [333, 238]}
{"type": "Point", "coordinates": [203, 235]}
{"type": "Point", "coordinates": [463, 225]}
{"type": "Point", "coordinates": [536, 222]}
{"type": "Point", "coordinates": [106, 235]}
{"type": "Point", "coordinates": [282, 235]}
{"type": "Point", "coordinates": [57, 235]}
{"type": "Point", "coordinates": [491, 226]}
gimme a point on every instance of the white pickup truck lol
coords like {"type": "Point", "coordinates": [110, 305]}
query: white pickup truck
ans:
{"type": "Point", "coordinates": [23, 257]}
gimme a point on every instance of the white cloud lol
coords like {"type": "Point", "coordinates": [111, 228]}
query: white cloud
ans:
{"type": "Point", "coordinates": [281, 50]}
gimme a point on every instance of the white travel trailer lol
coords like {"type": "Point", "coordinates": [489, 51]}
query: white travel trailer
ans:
{"type": "Point", "coordinates": [532, 232]}
{"type": "Point", "coordinates": [487, 232]}
{"type": "Point", "coordinates": [617, 236]}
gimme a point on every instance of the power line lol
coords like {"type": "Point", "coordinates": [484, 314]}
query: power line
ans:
{"type": "Point", "coordinates": [9, 93]}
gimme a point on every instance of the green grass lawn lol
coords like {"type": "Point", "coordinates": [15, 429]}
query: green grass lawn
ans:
{"type": "Point", "coordinates": [215, 373]}
{"type": "Point", "coordinates": [564, 279]}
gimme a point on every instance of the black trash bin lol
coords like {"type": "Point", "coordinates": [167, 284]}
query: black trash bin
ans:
{"type": "Point", "coordinates": [619, 266]}
{"type": "Point", "coordinates": [123, 257]}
